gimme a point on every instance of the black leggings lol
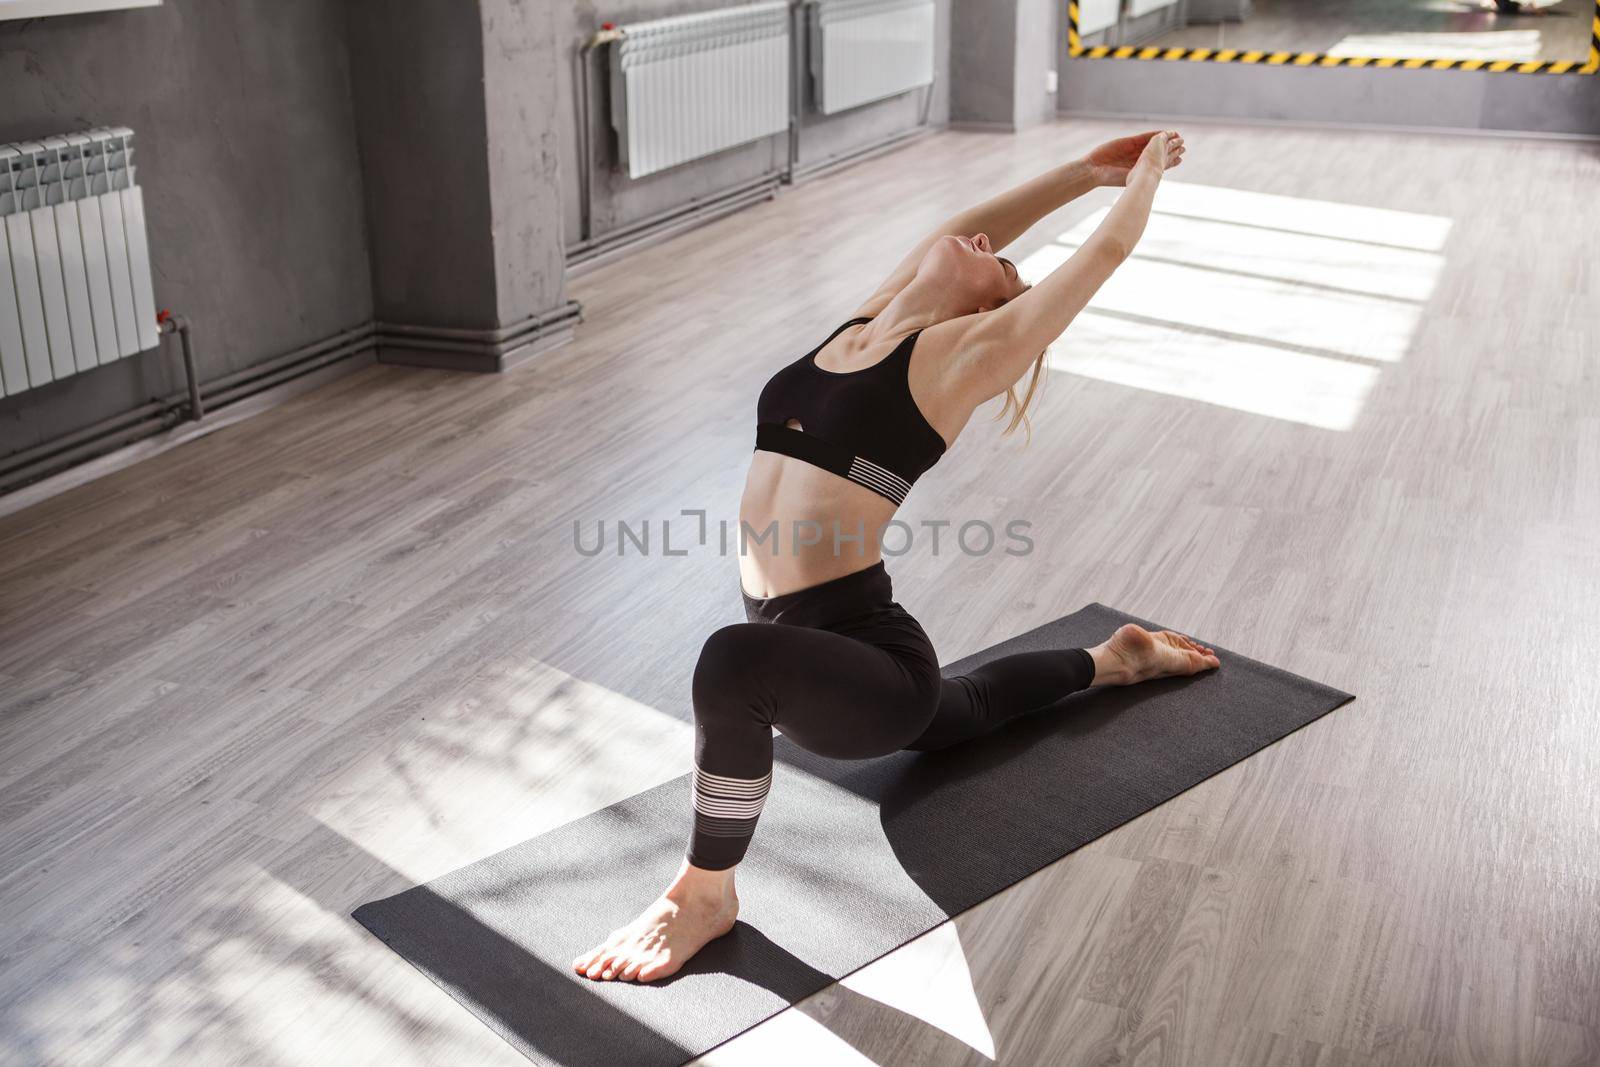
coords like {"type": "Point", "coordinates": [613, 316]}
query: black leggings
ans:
{"type": "Point", "coordinates": [847, 673]}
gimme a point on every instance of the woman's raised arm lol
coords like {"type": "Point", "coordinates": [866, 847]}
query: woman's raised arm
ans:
{"type": "Point", "coordinates": [997, 346]}
{"type": "Point", "coordinates": [1006, 216]}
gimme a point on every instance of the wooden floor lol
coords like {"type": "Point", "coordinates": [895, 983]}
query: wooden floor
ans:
{"type": "Point", "coordinates": [1436, 29]}
{"type": "Point", "coordinates": [348, 644]}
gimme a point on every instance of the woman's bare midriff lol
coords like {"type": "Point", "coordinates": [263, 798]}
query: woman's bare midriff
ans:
{"type": "Point", "coordinates": [789, 517]}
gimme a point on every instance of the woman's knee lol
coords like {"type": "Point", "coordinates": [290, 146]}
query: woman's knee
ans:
{"type": "Point", "coordinates": [728, 668]}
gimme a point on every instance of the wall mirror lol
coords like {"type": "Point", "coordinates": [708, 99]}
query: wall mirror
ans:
{"type": "Point", "coordinates": [1519, 36]}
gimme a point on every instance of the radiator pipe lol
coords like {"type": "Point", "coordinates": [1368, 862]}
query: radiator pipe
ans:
{"type": "Point", "coordinates": [167, 322]}
{"type": "Point", "coordinates": [360, 336]}
{"type": "Point", "coordinates": [155, 416]}
{"type": "Point", "coordinates": [302, 367]}
{"type": "Point", "coordinates": [695, 210]}
{"type": "Point", "coordinates": [532, 326]}
{"type": "Point", "coordinates": [797, 111]}
{"type": "Point", "coordinates": [604, 35]}
{"type": "Point", "coordinates": [659, 224]}
{"type": "Point", "coordinates": [589, 249]}
{"type": "Point", "coordinates": [877, 148]}
{"type": "Point", "coordinates": [797, 84]}
{"type": "Point", "coordinates": [658, 230]}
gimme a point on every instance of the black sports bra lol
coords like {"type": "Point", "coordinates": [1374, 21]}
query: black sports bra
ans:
{"type": "Point", "coordinates": [861, 424]}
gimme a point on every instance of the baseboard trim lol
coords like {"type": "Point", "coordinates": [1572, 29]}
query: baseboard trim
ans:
{"type": "Point", "coordinates": [804, 172]}
{"type": "Point", "coordinates": [488, 351]}
{"type": "Point", "coordinates": [272, 382]}
{"type": "Point", "coordinates": [981, 126]}
{"type": "Point", "coordinates": [163, 440]}
{"type": "Point", "coordinates": [1327, 124]}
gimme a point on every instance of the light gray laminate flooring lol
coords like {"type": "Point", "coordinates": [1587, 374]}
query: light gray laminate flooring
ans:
{"type": "Point", "coordinates": [1339, 414]}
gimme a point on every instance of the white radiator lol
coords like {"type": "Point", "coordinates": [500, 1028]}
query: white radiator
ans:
{"type": "Point", "coordinates": [1144, 7]}
{"type": "Point", "coordinates": [690, 85]}
{"type": "Point", "coordinates": [865, 50]}
{"type": "Point", "coordinates": [1097, 15]}
{"type": "Point", "coordinates": [75, 288]}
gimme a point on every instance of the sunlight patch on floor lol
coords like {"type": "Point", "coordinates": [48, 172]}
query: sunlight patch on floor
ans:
{"type": "Point", "coordinates": [1279, 306]}
{"type": "Point", "coordinates": [1355, 325]}
{"type": "Point", "coordinates": [790, 1037]}
{"type": "Point", "coordinates": [1313, 390]}
{"type": "Point", "coordinates": [1308, 259]}
{"type": "Point", "coordinates": [1520, 45]}
{"type": "Point", "coordinates": [521, 748]}
{"type": "Point", "coordinates": [926, 979]}
{"type": "Point", "coordinates": [1302, 215]}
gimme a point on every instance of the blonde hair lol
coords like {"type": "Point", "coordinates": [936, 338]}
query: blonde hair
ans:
{"type": "Point", "coordinates": [1020, 414]}
{"type": "Point", "coordinates": [1021, 406]}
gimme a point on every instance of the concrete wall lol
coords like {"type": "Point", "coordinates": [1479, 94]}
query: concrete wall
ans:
{"type": "Point", "coordinates": [275, 135]}
{"type": "Point", "coordinates": [521, 66]}
{"type": "Point", "coordinates": [419, 102]}
{"type": "Point", "coordinates": [459, 150]}
{"type": "Point", "coordinates": [246, 149]}
{"type": "Point", "coordinates": [619, 200]}
{"type": "Point", "coordinates": [1038, 24]}
{"type": "Point", "coordinates": [983, 62]}
{"type": "Point", "coordinates": [1468, 100]}
{"type": "Point", "coordinates": [1000, 52]}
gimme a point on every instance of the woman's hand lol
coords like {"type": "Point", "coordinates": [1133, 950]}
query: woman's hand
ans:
{"type": "Point", "coordinates": [1113, 161]}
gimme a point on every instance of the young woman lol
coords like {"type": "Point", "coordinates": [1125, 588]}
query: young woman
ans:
{"type": "Point", "coordinates": [841, 434]}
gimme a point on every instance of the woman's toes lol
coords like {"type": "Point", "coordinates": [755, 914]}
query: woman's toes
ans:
{"type": "Point", "coordinates": [631, 971]}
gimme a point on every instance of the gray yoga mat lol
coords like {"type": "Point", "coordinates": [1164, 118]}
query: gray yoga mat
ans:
{"type": "Point", "coordinates": [851, 859]}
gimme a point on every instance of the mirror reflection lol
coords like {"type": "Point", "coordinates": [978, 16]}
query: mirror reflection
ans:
{"type": "Point", "coordinates": [1515, 30]}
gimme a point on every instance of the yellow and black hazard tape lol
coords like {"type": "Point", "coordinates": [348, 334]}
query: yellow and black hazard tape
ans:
{"type": "Point", "coordinates": [1076, 49]}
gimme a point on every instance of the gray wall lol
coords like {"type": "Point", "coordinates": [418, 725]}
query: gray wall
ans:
{"type": "Point", "coordinates": [1038, 23]}
{"type": "Point", "coordinates": [419, 99]}
{"type": "Point", "coordinates": [521, 67]}
{"type": "Point", "coordinates": [245, 144]}
{"type": "Point", "coordinates": [619, 200]}
{"type": "Point", "coordinates": [459, 150]}
{"type": "Point", "coordinates": [983, 62]}
{"type": "Point", "coordinates": [249, 115]}
{"type": "Point", "coordinates": [1000, 51]}
{"type": "Point", "coordinates": [1469, 100]}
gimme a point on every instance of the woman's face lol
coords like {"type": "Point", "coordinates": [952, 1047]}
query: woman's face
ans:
{"type": "Point", "coordinates": [967, 269]}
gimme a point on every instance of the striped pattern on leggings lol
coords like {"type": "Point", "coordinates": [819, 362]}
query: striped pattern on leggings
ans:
{"type": "Point", "coordinates": [728, 807]}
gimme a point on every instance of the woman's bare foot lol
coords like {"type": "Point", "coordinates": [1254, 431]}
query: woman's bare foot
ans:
{"type": "Point", "coordinates": [1134, 654]}
{"type": "Point", "coordinates": [698, 906]}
